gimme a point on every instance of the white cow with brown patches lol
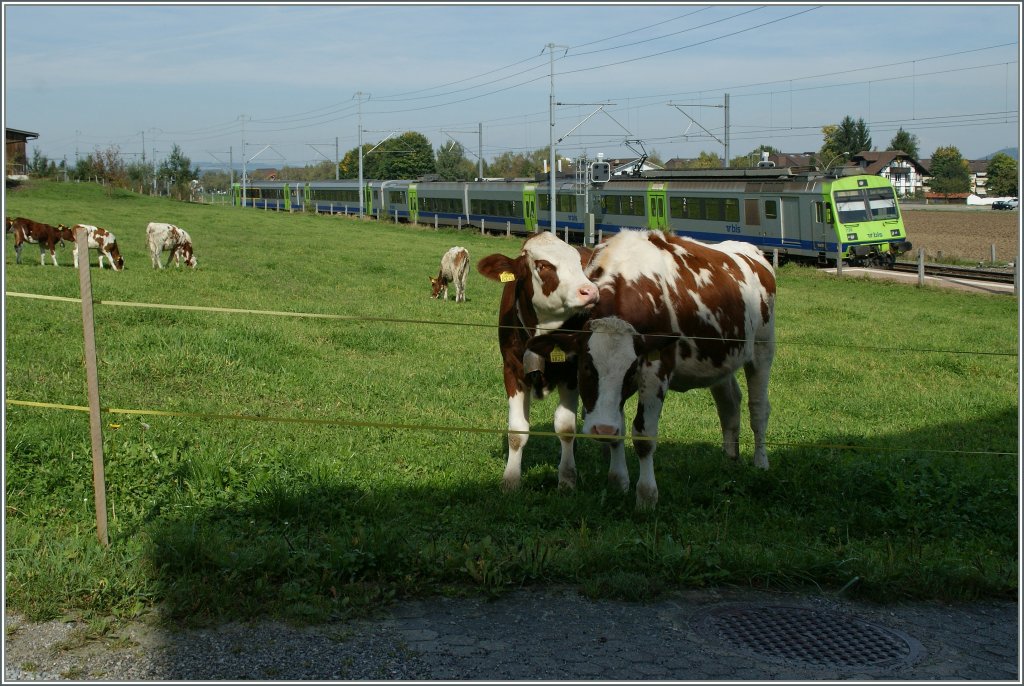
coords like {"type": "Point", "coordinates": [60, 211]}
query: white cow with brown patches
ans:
{"type": "Point", "coordinates": [545, 289]}
{"type": "Point", "coordinates": [674, 314]}
{"type": "Point", "coordinates": [454, 269]}
{"type": "Point", "coordinates": [161, 236]}
{"type": "Point", "coordinates": [103, 241]}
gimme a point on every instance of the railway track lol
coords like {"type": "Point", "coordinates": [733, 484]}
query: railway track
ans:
{"type": "Point", "coordinates": [990, 275]}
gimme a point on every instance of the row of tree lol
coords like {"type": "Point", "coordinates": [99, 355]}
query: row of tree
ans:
{"type": "Point", "coordinates": [171, 176]}
{"type": "Point", "coordinates": [411, 156]}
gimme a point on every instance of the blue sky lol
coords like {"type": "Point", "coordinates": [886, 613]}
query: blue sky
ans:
{"type": "Point", "coordinates": [211, 78]}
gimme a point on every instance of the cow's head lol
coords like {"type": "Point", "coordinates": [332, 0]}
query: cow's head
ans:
{"type": "Point", "coordinates": [609, 352]}
{"type": "Point", "coordinates": [190, 257]}
{"type": "Point", "coordinates": [549, 275]}
{"type": "Point", "coordinates": [109, 242]}
{"type": "Point", "coordinates": [435, 286]}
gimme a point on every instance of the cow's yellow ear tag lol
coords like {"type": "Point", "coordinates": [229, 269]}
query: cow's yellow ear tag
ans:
{"type": "Point", "coordinates": [654, 356]}
{"type": "Point", "coordinates": [505, 277]}
{"type": "Point", "coordinates": [557, 355]}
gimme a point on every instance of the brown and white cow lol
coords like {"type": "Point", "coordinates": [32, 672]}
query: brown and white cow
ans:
{"type": "Point", "coordinates": [161, 236]}
{"type": "Point", "coordinates": [674, 314]}
{"type": "Point", "coordinates": [454, 269]}
{"type": "Point", "coordinates": [103, 241]}
{"type": "Point", "coordinates": [545, 288]}
{"type": "Point", "coordinates": [45, 235]}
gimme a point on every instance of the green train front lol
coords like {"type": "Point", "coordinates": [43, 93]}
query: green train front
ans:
{"type": "Point", "coordinates": [804, 215]}
{"type": "Point", "coordinates": [868, 224]}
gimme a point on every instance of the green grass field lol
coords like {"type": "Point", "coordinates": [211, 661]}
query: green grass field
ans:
{"type": "Point", "coordinates": [893, 436]}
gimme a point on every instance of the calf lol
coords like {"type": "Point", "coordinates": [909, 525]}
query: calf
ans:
{"type": "Point", "coordinates": [545, 288]}
{"type": "Point", "coordinates": [454, 269]}
{"type": "Point", "coordinates": [103, 241]}
{"type": "Point", "coordinates": [46, 236]}
{"type": "Point", "coordinates": [674, 314]}
{"type": "Point", "coordinates": [162, 237]}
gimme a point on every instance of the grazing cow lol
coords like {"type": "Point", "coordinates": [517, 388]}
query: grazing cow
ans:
{"type": "Point", "coordinates": [46, 236]}
{"type": "Point", "coordinates": [545, 288]}
{"type": "Point", "coordinates": [162, 237]}
{"type": "Point", "coordinates": [454, 269]}
{"type": "Point", "coordinates": [674, 314]}
{"type": "Point", "coordinates": [103, 241]}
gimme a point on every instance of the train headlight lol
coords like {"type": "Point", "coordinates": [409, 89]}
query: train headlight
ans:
{"type": "Point", "coordinates": [895, 233]}
{"type": "Point", "coordinates": [851, 236]}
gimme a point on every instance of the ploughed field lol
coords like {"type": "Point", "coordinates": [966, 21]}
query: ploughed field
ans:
{"type": "Point", "coordinates": [963, 235]}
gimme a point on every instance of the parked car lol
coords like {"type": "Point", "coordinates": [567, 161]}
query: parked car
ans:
{"type": "Point", "coordinates": [1010, 204]}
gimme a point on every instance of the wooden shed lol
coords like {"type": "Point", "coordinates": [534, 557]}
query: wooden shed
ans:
{"type": "Point", "coordinates": [15, 157]}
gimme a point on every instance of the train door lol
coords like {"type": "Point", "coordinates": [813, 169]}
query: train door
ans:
{"type": "Point", "coordinates": [286, 197]}
{"type": "Point", "coordinates": [368, 199]}
{"type": "Point", "coordinates": [414, 205]}
{"type": "Point", "coordinates": [656, 202]}
{"type": "Point", "coordinates": [822, 225]}
{"type": "Point", "coordinates": [793, 231]}
{"type": "Point", "coordinates": [530, 208]}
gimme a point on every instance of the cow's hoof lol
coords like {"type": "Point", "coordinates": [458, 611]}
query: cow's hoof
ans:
{"type": "Point", "coordinates": [567, 481]}
{"type": "Point", "coordinates": [618, 482]}
{"type": "Point", "coordinates": [646, 498]}
{"type": "Point", "coordinates": [510, 484]}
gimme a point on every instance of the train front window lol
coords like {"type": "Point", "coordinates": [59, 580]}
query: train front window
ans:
{"type": "Point", "coordinates": [851, 207]}
{"type": "Point", "coordinates": [882, 202]}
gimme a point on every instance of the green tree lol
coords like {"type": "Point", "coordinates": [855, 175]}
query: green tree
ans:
{"type": "Point", "coordinates": [511, 165]}
{"type": "Point", "coordinates": [907, 142]}
{"type": "Point", "coordinates": [950, 173]}
{"type": "Point", "coordinates": [452, 164]}
{"type": "Point", "coordinates": [849, 136]}
{"type": "Point", "coordinates": [1002, 175]}
{"type": "Point", "coordinates": [176, 172]}
{"type": "Point", "coordinates": [408, 156]}
{"type": "Point", "coordinates": [706, 160]}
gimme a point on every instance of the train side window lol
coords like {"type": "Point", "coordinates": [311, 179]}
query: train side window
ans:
{"type": "Point", "coordinates": [771, 209]}
{"type": "Point", "coordinates": [714, 209]}
{"type": "Point", "coordinates": [732, 210]}
{"type": "Point", "coordinates": [677, 207]}
{"type": "Point", "coordinates": [828, 214]}
{"type": "Point", "coordinates": [752, 211]}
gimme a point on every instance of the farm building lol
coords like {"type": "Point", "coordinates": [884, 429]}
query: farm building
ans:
{"type": "Point", "coordinates": [15, 156]}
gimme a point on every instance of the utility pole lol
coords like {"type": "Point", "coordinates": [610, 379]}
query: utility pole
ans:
{"type": "Point", "coordinates": [480, 147]}
{"type": "Point", "coordinates": [553, 193]}
{"type": "Point", "coordinates": [244, 177]}
{"type": "Point", "coordinates": [724, 143]}
{"type": "Point", "coordinates": [359, 99]}
{"type": "Point", "coordinates": [337, 162]}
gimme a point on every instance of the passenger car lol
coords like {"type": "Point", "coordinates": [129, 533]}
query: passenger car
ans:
{"type": "Point", "coordinates": [1010, 204]}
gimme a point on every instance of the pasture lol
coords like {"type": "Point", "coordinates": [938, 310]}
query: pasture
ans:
{"type": "Point", "coordinates": [893, 438]}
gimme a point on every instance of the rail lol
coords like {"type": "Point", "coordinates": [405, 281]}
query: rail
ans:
{"type": "Point", "coordinates": [991, 275]}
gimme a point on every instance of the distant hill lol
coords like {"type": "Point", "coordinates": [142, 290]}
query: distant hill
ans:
{"type": "Point", "coordinates": [1012, 152]}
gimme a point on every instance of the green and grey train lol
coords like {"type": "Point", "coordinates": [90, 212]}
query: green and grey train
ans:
{"type": "Point", "coordinates": [803, 214]}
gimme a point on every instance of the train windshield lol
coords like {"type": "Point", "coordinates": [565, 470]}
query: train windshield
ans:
{"type": "Point", "coordinates": [868, 204]}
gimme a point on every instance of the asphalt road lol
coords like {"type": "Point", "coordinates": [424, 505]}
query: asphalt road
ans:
{"type": "Point", "coordinates": [557, 635]}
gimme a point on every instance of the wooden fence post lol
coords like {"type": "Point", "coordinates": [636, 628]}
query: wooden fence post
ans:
{"type": "Point", "coordinates": [92, 378]}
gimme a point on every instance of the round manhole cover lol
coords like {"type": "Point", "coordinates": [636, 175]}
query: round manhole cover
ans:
{"type": "Point", "coordinates": [795, 634]}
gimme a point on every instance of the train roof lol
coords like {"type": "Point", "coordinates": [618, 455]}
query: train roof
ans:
{"type": "Point", "coordinates": [746, 174]}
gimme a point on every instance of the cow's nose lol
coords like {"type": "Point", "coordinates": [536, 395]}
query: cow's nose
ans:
{"type": "Point", "coordinates": [588, 294]}
{"type": "Point", "coordinates": [604, 431]}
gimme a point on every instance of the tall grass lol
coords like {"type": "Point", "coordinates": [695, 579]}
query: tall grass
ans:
{"type": "Point", "coordinates": [893, 436]}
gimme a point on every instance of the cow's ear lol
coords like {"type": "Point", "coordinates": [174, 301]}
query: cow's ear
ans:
{"type": "Point", "coordinates": [652, 346]}
{"type": "Point", "coordinates": [499, 267]}
{"type": "Point", "coordinates": [586, 254]}
{"type": "Point", "coordinates": [555, 347]}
